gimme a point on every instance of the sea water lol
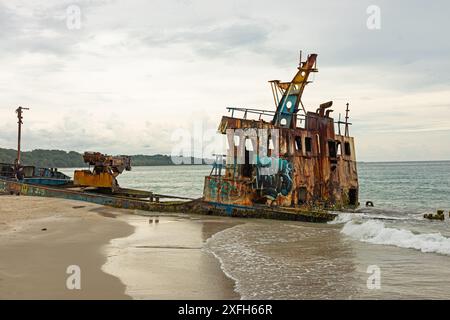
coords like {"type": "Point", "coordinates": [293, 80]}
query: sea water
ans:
{"type": "Point", "coordinates": [390, 245]}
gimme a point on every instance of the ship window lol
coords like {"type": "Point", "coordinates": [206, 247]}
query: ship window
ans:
{"type": "Point", "coordinates": [289, 147]}
{"type": "Point", "coordinates": [283, 121]}
{"type": "Point", "coordinates": [308, 144]}
{"type": "Point", "coordinates": [289, 106]}
{"type": "Point", "coordinates": [301, 198]}
{"type": "Point", "coordinates": [347, 149]}
{"type": "Point", "coordinates": [332, 148]}
{"type": "Point", "coordinates": [247, 167]}
{"type": "Point", "coordinates": [298, 143]}
{"type": "Point", "coordinates": [352, 197]}
{"type": "Point", "coordinates": [338, 147]}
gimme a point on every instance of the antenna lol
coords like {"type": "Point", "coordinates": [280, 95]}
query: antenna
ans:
{"type": "Point", "coordinates": [300, 60]}
{"type": "Point", "coordinates": [339, 124]}
{"type": "Point", "coordinates": [19, 112]}
{"type": "Point", "coordinates": [346, 119]}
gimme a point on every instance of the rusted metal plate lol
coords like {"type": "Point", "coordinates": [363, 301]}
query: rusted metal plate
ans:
{"type": "Point", "coordinates": [99, 180]}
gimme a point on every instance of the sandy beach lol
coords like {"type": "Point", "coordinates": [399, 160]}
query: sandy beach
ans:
{"type": "Point", "coordinates": [120, 255]}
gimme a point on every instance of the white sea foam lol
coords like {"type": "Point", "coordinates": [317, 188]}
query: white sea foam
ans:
{"type": "Point", "coordinates": [342, 218]}
{"type": "Point", "coordinates": [376, 232]}
{"type": "Point", "coordinates": [282, 261]}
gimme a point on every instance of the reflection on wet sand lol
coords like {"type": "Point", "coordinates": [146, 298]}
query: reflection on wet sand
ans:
{"type": "Point", "coordinates": [165, 260]}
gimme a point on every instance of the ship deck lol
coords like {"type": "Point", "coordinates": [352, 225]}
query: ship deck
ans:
{"type": "Point", "coordinates": [145, 201]}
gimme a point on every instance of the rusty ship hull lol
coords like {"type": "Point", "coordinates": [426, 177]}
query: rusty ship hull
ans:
{"type": "Point", "coordinates": [148, 202]}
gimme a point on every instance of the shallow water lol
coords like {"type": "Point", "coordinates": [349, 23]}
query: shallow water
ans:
{"type": "Point", "coordinates": [292, 260]}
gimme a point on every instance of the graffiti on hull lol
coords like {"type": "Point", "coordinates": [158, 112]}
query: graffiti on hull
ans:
{"type": "Point", "coordinates": [275, 183]}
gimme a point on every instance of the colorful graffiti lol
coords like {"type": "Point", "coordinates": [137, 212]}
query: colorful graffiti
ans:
{"type": "Point", "coordinates": [225, 190]}
{"type": "Point", "coordinates": [276, 183]}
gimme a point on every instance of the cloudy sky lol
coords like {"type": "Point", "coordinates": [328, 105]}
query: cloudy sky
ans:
{"type": "Point", "coordinates": [132, 73]}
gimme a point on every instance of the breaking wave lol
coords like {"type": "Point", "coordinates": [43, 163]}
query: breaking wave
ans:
{"type": "Point", "coordinates": [278, 260]}
{"type": "Point", "coordinates": [376, 232]}
{"type": "Point", "coordinates": [342, 218]}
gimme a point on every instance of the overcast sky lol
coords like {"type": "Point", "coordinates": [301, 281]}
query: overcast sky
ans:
{"type": "Point", "coordinates": [136, 71]}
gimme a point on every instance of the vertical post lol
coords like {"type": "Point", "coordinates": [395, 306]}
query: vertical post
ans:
{"type": "Point", "coordinates": [19, 112]}
{"type": "Point", "coordinates": [339, 124]}
{"type": "Point", "coordinates": [346, 120]}
{"type": "Point", "coordinates": [300, 60]}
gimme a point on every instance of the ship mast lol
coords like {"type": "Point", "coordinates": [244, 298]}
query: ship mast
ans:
{"type": "Point", "coordinates": [19, 112]}
{"type": "Point", "coordinates": [291, 93]}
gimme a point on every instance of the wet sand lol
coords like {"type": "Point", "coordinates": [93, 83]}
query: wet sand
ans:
{"type": "Point", "coordinates": [167, 259]}
{"type": "Point", "coordinates": [41, 237]}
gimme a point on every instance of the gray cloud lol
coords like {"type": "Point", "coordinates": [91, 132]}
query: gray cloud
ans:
{"type": "Point", "coordinates": [215, 40]}
{"type": "Point", "coordinates": [105, 66]}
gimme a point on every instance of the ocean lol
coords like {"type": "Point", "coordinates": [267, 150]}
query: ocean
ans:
{"type": "Point", "coordinates": [388, 251]}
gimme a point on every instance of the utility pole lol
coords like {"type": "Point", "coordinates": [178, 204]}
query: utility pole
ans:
{"type": "Point", "coordinates": [19, 112]}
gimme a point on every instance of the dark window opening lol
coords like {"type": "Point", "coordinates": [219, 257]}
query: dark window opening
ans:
{"type": "Point", "coordinates": [352, 197]}
{"type": "Point", "coordinates": [308, 144]}
{"type": "Point", "coordinates": [270, 146]}
{"type": "Point", "coordinates": [347, 149]}
{"type": "Point", "coordinates": [288, 144]}
{"type": "Point", "coordinates": [302, 193]}
{"type": "Point", "coordinates": [298, 143]}
{"type": "Point", "coordinates": [332, 148]}
{"type": "Point", "coordinates": [247, 167]}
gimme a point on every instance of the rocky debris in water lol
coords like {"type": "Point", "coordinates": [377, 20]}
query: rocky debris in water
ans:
{"type": "Point", "coordinates": [438, 216]}
{"type": "Point", "coordinates": [369, 203]}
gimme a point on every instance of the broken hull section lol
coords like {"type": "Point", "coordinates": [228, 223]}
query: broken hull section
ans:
{"type": "Point", "coordinates": [198, 206]}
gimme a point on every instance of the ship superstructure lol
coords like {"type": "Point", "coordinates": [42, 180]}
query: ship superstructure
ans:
{"type": "Point", "coordinates": [295, 159]}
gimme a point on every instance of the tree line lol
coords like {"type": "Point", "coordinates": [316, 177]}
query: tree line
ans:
{"type": "Point", "coordinates": [72, 159]}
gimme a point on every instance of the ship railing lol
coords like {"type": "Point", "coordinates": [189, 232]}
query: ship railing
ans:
{"type": "Point", "coordinates": [7, 174]}
{"type": "Point", "coordinates": [262, 113]}
{"type": "Point", "coordinates": [247, 111]}
{"type": "Point", "coordinates": [218, 165]}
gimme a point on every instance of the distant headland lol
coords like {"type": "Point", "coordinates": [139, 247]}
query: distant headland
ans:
{"type": "Point", "coordinates": [73, 159]}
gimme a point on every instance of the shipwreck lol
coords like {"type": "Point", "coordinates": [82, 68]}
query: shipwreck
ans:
{"type": "Point", "coordinates": [287, 163]}
{"type": "Point", "coordinates": [296, 159]}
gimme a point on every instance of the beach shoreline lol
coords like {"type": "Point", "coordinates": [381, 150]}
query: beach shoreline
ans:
{"type": "Point", "coordinates": [41, 237]}
{"type": "Point", "coordinates": [165, 258]}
